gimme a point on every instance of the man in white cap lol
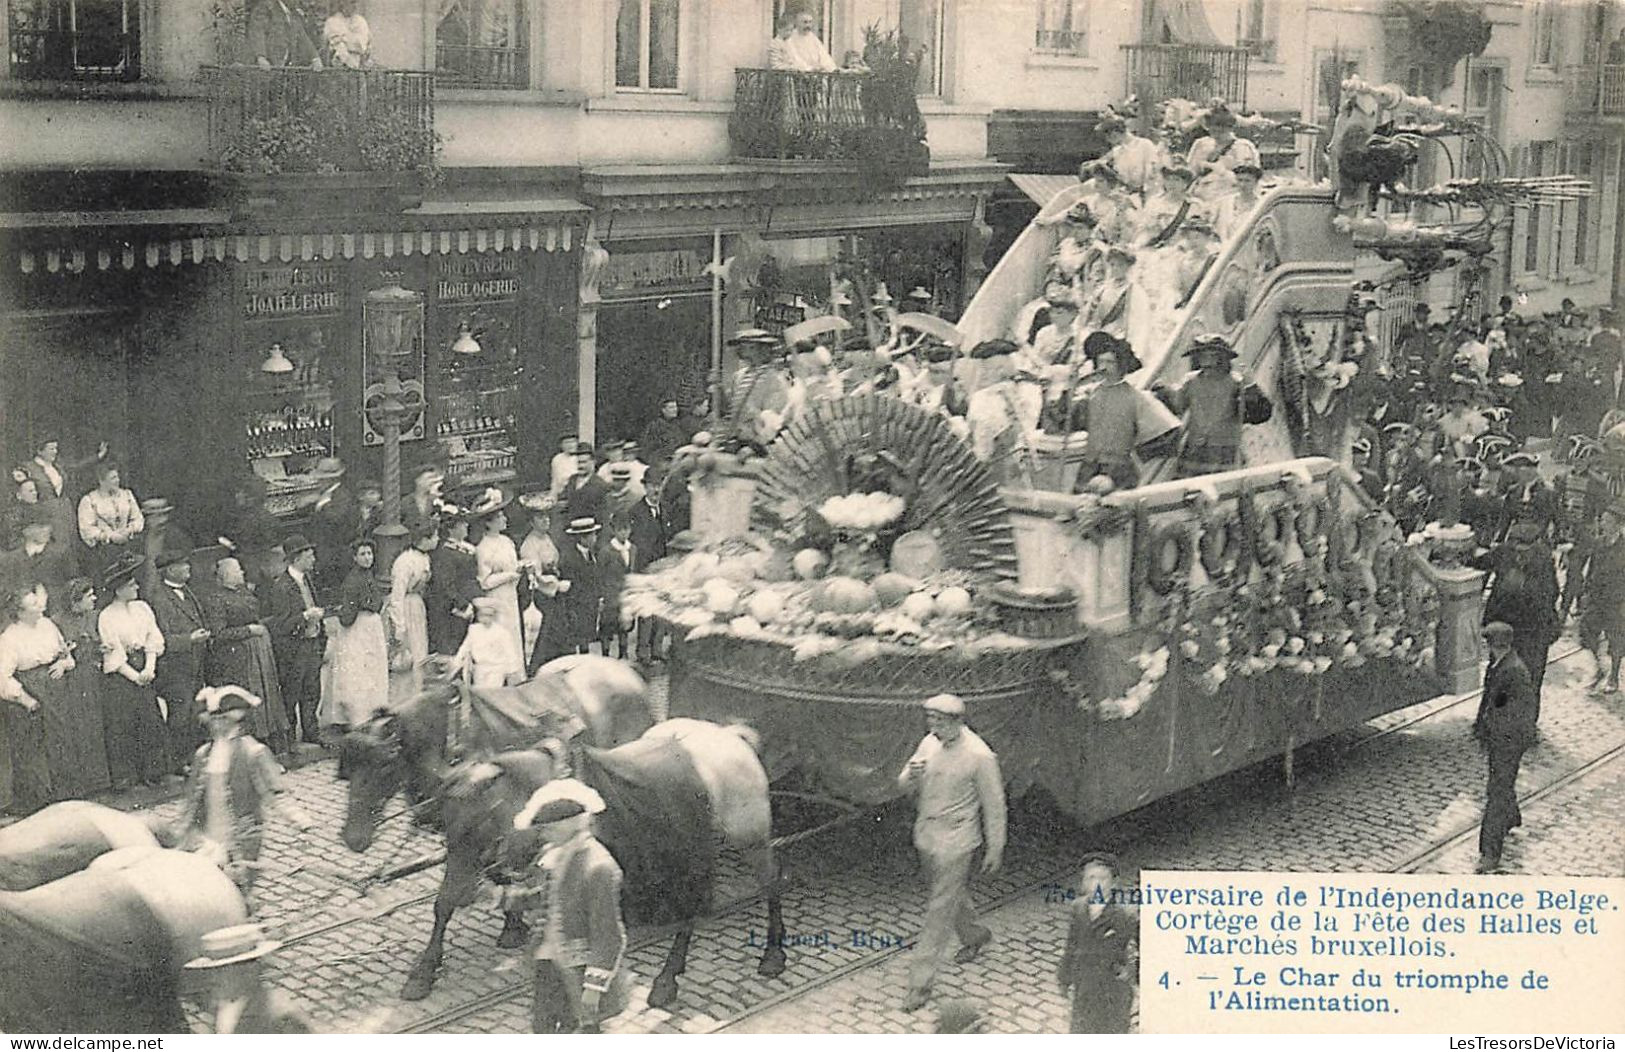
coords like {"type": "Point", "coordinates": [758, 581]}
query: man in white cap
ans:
{"type": "Point", "coordinates": [960, 808]}
{"type": "Point", "coordinates": [580, 978]}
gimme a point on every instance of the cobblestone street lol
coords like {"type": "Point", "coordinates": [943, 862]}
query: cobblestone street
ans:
{"type": "Point", "coordinates": [1401, 795]}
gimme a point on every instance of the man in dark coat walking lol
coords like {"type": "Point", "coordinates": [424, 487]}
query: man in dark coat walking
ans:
{"type": "Point", "coordinates": [179, 675]}
{"type": "Point", "coordinates": [1524, 595]}
{"type": "Point", "coordinates": [1097, 968]}
{"type": "Point", "coordinates": [295, 623]}
{"type": "Point", "coordinates": [1505, 727]}
{"type": "Point", "coordinates": [579, 605]}
{"type": "Point", "coordinates": [651, 529]}
{"type": "Point", "coordinates": [585, 494]}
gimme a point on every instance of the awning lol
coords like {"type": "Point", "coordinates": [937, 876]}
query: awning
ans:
{"type": "Point", "coordinates": [72, 242]}
{"type": "Point", "coordinates": [1042, 188]}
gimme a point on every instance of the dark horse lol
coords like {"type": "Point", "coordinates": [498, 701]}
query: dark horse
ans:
{"type": "Point", "coordinates": [668, 792]}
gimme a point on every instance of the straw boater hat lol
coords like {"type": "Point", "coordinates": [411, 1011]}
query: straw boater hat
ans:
{"type": "Point", "coordinates": [234, 945]}
{"type": "Point", "coordinates": [558, 800]}
{"type": "Point", "coordinates": [918, 293]}
{"type": "Point", "coordinates": [583, 524]}
{"type": "Point", "coordinates": [218, 701]}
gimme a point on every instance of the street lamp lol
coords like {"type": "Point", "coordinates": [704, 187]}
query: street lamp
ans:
{"type": "Point", "coordinates": [394, 332]}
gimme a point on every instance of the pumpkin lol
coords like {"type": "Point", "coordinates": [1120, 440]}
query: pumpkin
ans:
{"type": "Point", "coordinates": [846, 595]}
{"type": "Point", "coordinates": [765, 607]}
{"type": "Point", "coordinates": [893, 588]}
{"type": "Point", "coordinates": [919, 606]}
{"type": "Point", "coordinates": [953, 601]}
{"type": "Point", "coordinates": [809, 563]}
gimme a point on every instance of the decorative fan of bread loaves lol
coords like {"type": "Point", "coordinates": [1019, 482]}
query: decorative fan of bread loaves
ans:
{"type": "Point", "coordinates": [877, 442]}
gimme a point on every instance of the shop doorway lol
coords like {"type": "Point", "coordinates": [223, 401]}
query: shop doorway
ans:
{"type": "Point", "coordinates": [648, 349]}
{"type": "Point", "coordinates": [64, 376]}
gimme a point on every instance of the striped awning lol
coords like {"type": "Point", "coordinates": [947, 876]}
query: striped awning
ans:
{"type": "Point", "coordinates": [75, 242]}
{"type": "Point", "coordinates": [1041, 188]}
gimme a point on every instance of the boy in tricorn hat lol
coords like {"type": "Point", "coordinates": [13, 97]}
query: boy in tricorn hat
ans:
{"type": "Point", "coordinates": [233, 786]}
{"type": "Point", "coordinates": [1214, 402]}
{"type": "Point", "coordinates": [1120, 419]}
{"type": "Point", "coordinates": [581, 973]}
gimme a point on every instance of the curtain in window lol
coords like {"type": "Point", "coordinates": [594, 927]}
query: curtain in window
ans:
{"type": "Point", "coordinates": [920, 23]}
{"type": "Point", "coordinates": [1063, 25]}
{"type": "Point", "coordinates": [663, 43]}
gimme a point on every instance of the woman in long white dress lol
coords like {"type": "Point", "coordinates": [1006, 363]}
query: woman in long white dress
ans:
{"type": "Point", "coordinates": [497, 564]}
{"type": "Point", "coordinates": [408, 618]}
{"type": "Point", "coordinates": [360, 681]}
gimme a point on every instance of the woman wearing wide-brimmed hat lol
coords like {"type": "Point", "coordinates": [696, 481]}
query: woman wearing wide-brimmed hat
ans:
{"type": "Point", "coordinates": [137, 742]}
{"type": "Point", "coordinates": [542, 585]}
{"type": "Point", "coordinates": [496, 561]}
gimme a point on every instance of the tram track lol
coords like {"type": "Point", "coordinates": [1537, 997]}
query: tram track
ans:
{"type": "Point", "coordinates": [647, 937]}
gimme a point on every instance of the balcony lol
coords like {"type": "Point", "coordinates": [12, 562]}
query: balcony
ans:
{"type": "Point", "coordinates": [1186, 71]}
{"type": "Point", "coordinates": [1595, 91]}
{"type": "Point", "coordinates": [279, 121]}
{"type": "Point", "coordinates": [827, 119]}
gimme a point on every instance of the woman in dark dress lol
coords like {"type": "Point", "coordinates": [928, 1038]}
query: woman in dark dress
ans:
{"type": "Point", "coordinates": [75, 741]}
{"type": "Point", "coordinates": [137, 741]}
{"type": "Point", "coordinates": [240, 653]}
{"type": "Point", "coordinates": [33, 662]}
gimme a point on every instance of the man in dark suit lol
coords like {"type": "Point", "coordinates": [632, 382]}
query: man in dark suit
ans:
{"type": "Point", "coordinates": [585, 494]}
{"type": "Point", "coordinates": [1097, 969]}
{"type": "Point", "coordinates": [579, 606]}
{"type": "Point", "coordinates": [335, 522]}
{"type": "Point", "coordinates": [453, 583]}
{"type": "Point", "coordinates": [179, 675]}
{"type": "Point", "coordinates": [1524, 595]}
{"type": "Point", "coordinates": [295, 623]}
{"type": "Point", "coordinates": [617, 557]}
{"type": "Point", "coordinates": [1506, 728]}
{"type": "Point", "coordinates": [651, 529]}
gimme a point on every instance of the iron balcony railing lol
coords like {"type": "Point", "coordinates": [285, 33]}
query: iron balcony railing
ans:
{"type": "Point", "coordinates": [833, 117]}
{"type": "Point", "coordinates": [271, 121]}
{"type": "Point", "coordinates": [1186, 71]}
{"type": "Point", "coordinates": [467, 65]}
{"type": "Point", "coordinates": [1596, 90]}
{"type": "Point", "coordinates": [64, 54]}
{"type": "Point", "coordinates": [1068, 41]}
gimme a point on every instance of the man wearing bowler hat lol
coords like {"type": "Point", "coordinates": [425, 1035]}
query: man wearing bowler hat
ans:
{"type": "Point", "coordinates": [186, 642]}
{"type": "Point", "coordinates": [295, 623]}
{"type": "Point", "coordinates": [578, 607]}
{"type": "Point", "coordinates": [959, 795]}
{"type": "Point", "coordinates": [584, 493]}
{"type": "Point", "coordinates": [581, 974]}
{"type": "Point", "coordinates": [1505, 727]}
{"type": "Point", "coordinates": [1214, 402]}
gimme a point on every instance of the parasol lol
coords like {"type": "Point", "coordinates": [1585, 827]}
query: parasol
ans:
{"type": "Point", "coordinates": [932, 326]}
{"type": "Point", "coordinates": [809, 330]}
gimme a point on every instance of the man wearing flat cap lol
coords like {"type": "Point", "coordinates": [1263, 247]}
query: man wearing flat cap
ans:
{"type": "Point", "coordinates": [959, 809]}
{"type": "Point", "coordinates": [1214, 402]}
{"type": "Point", "coordinates": [1523, 594]}
{"type": "Point", "coordinates": [1097, 967]}
{"type": "Point", "coordinates": [186, 643]}
{"type": "Point", "coordinates": [1505, 727]}
{"type": "Point", "coordinates": [581, 976]}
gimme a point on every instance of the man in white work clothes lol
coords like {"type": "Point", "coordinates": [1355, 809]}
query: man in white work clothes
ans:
{"type": "Point", "coordinates": [960, 808]}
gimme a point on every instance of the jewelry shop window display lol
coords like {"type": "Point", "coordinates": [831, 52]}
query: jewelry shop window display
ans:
{"type": "Point", "coordinates": [475, 346]}
{"type": "Point", "coordinates": [291, 322]}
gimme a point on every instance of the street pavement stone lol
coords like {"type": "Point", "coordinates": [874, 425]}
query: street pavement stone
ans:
{"type": "Point", "coordinates": [1370, 800]}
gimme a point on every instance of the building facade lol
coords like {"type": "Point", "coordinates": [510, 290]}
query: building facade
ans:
{"type": "Point", "coordinates": [190, 242]}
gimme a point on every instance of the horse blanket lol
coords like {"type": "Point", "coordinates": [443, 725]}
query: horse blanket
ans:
{"type": "Point", "coordinates": [658, 825]}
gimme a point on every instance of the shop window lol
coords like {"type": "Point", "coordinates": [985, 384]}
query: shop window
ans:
{"type": "Point", "coordinates": [292, 328]}
{"type": "Point", "coordinates": [485, 43]}
{"type": "Point", "coordinates": [1258, 29]}
{"type": "Point", "coordinates": [75, 39]}
{"type": "Point", "coordinates": [648, 48]}
{"type": "Point", "coordinates": [1546, 28]}
{"type": "Point", "coordinates": [474, 347]}
{"type": "Point", "coordinates": [922, 25]}
{"type": "Point", "coordinates": [1063, 26]}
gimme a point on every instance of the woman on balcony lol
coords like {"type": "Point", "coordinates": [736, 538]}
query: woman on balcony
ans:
{"type": "Point", "coordinates": [797, 48]}
{"type": "Point", "coordinates": [347, 36]}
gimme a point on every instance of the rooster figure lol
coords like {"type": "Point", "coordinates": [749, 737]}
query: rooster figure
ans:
{"type": "Point", "coordinates": [1376, 163]}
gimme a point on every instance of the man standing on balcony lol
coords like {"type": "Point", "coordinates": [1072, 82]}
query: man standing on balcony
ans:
{"type": "Point", "coordinates": [799, 50]}
{"type": "Point", "coordinates": [277, 36]}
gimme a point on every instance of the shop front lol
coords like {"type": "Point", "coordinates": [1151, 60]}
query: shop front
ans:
{"type": "Point", "coordinates": [225, 354]}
